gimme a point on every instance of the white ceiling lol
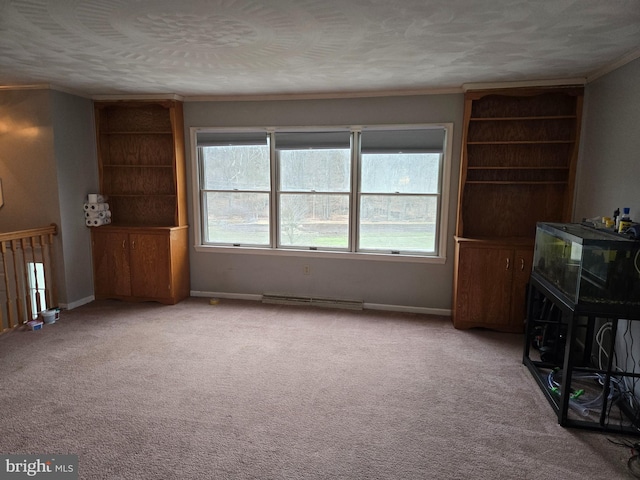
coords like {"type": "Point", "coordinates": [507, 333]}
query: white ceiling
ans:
{"type": "Point", "coordinates": [271, 47]}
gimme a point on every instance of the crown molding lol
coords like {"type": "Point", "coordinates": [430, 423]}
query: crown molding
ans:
{"type": "Point", "coordinates": [69, 91]}
{"type": "Point", "coordinates": [40, 86]}
{"type": "Point", "coordinates": [45, 86]}
{"type": "Point", "coordinates": [560, 82]}
{"type": "Point", "coordinates": [159, 96]}
{"type": "Point", "coordinates": [322, 95]}
{"type": "Point", "coordinates": [620, 62]}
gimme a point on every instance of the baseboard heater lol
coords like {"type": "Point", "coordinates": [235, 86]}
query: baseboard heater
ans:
{"type": "Point", "coordinates": [312, 301]}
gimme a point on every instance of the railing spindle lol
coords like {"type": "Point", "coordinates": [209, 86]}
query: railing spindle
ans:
{"type": "Point", "coordinates": [21, 306]}
{"type": "Point", "coordinates": [9, 299]}
{"type": "Point", "coordinates": [36, 295]}
{"type": "Point", "coordinates": [16, 278]}
{"type": "Point", "coordinates": [25, 271]}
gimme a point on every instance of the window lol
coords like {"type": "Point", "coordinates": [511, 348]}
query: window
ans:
{"type": "Point", "coordinates": [235, 188]}
{"type": "Point", "coordinates": [400, 190]}
{"type": "Point", "coordinates": [314, 185]}
{"type": "Point", "coordinates": [370, 190]}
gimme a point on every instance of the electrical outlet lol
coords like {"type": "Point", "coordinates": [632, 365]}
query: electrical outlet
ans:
{"type": "Point", "coordinates": [306, 270]}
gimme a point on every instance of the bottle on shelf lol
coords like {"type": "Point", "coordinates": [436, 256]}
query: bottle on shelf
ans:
{"type": "Point", "coordinates": [625, 220]}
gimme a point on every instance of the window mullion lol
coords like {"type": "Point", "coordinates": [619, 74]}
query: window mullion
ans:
{"type": "Point", "coordinates": [354, 195]}
{"type": "Point", "coordinates": [274, 194]}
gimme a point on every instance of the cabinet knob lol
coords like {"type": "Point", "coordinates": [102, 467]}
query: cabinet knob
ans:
{"type": "Point", "coordinates": [124, 244]}
{"type": "Point", "coordinates": [522, 264]}
{"type": "Point", "coordinates": [508, 263]}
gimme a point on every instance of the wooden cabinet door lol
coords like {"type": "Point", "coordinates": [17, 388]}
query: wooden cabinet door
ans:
{"type": "Point", "coordinates": [483, 296]}
{"type": "Point", "coordinates": [112, 271]}
{"type": "Point", "coordinates": [150, 265]}
{"type": "Point", "coordinates": [521, 274]}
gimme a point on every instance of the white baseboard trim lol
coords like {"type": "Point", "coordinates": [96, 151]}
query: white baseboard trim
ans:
{"type": "Point", "coordinates": [77, 303]}
{"type": "Point", "coordinates": [232, 296]}
{"type": "Point", "coordinates": [443, 312]}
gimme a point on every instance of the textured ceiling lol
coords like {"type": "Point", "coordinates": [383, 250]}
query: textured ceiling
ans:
{"type": "Point", "coordinates": [251, 47]}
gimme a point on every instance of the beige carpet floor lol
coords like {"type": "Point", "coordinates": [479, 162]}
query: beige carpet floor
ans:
{"type": "Point", "coordinates": [242, 390]}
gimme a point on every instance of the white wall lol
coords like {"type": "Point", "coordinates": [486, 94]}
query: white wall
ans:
{"type": "Point", "coordinates": [415, 285]}
{"type": "Point", "coordinates": [77, 175]}
{"type": "Point", "coordinates": [609, 163]}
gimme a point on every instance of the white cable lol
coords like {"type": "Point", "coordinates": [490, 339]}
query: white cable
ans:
{"type": "Point", "coordinates": [600, 340]}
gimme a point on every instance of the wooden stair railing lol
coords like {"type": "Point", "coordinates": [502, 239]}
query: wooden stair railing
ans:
{"type": "Point", "coordinates": [28, 269]}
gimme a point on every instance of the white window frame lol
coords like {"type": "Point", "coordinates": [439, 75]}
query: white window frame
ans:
{"type": "Point", "coordinates": [443, 208]}
{"type": "Point", "coordinates": [278, 193]}
{"type": "Point", "coordinates": [203, 194]}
